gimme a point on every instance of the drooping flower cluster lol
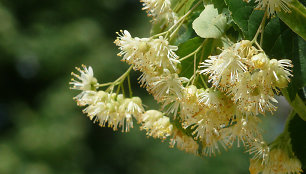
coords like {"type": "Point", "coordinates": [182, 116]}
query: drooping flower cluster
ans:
{"type": "Point", "coordinates": [198, 120]}
{"type": "Point", "coordinates": [105, 107]}
{"type": "Point", "coordinates": [248, 76]}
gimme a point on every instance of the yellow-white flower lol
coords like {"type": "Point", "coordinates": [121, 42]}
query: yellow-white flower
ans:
{"type": "Point", "coordinates": [281, 72]}
{"type": "Point", "coordinates": [252, 94]}
{"type": "Point", "coordinates": [159, 9]}
{"type": "Point", "coordinates": [115, 110]}
{"type": "Point", "coordinates": [210, 98]}
{"type": "Point", "coordinates": [156, 124]}
{"type": "Point", "coordinates": [245, 131]}
{"type": "Point", "coordinates": [167, 84]}
{"type": "Point", "coordinates": [184, 142]}
{"type": "Point", "coordinates": [86, 97]}
{"type": "Point", "coordinates": [189, 103]}
{"type": "Point", "coordinates": [104, 107]}
{"type": "Point", "coordinates": [131, 107]}
{"type": "Point", "coordinates": [273, 6]}
{"type": "Point", "coordinates": [278, 162]}
{"type": "Point", "coordinates": [147, 54]}
{"type": "Point", "coordinates": [87, 81]}
{"type": "Point", "coordinates": [259, 149]}
{"type": "Point", "coordinates": [223, 69]}
{"type": "Point", "coordinates": [132, 49]}
{"type": "Point", "coordinates": [164, 55]}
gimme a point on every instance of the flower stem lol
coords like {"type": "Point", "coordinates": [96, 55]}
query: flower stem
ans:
{"type": "Point", "coordinates": [179, 6]}
{"type": "Point", "coordinates": [130, 86]}
{"type": "Point", "coordinates": [119, 81]}
{"type": "Point", "coordinates": [194, 52]}
{"type": "Point", "coordinates": [297, 104]}
{"type": "Point", "coordinates": [181, 20]}
{"type": "Point", "coordinates": [260, 28]}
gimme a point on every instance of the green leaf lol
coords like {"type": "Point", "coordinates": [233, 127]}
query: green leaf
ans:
{"type": "Point", "coordinates": [186, 32]}
{"type": "Point", "coordinates": [183, 50]}
{"type": "Point", "coordinates": [184, 7]}
{"type": "Point", "coordinates": [188, 47]}
{"type": "Point", "coordinates": [296, 19]}
{"type": "Point", "coordinates": [280, 42]}
{"type": "Point", "coordinates": [299, 68]}
{"type": "Point", "coordinates": [302, 58]}
{"type": "Point", "coordinates": [240, 12]}
{"type": "Point", "coordinates": [272, 32]}
{"type": "Point", "coordinates": [254, 23]}
{"type": "Point", "coordinates": [218, 4]}
{"type": "Point", "coordinates": [297, 103]}
{"type": "Point", "coordinates": [297, 129]}
{"type": "Point", "coordinates": [245, 17]}
{"type": "Point", "coordinates": [210, 24]}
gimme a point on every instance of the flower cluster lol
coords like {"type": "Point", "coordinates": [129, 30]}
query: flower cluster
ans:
{"type": "Point", "coordinates": [105, 107]}
{"type": "Point", "coordinates": [197, 117]}
{"type": "Point", "coordinates": [214, 120]}
{"type": "Point", "coordinates": [248, 76]}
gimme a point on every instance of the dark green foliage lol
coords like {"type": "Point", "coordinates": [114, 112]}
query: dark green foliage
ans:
{"type": "Point", "coordinates": [297, 129]}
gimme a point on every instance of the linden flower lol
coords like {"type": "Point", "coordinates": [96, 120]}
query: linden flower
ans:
{"type": "Point", "coordinates": [273, 6]}
{"type": "Point", "coordinates": [281, 72]}
{"type": "Point", "coordinates": [156, 7]}
{"type": "Point", "coordinates": [211, 98]}
{"type": "Point", "coordinates": [277, 73]}
{"type": "Point", "coordinates": [132, 106]}
{"type": "Point", "coordinates": [206, 125]}
{"type": "Point", "coordinates": [167, 84]}
{"type": "Point", "coordinates": [114, 110]}
{"type": "Point", "coordinates": [252, 95]}
{"type": "Point", "coordinates": [245, 49]}
{"type": "Point", "coordinates": [86, 97]}
{"type": "Point", "coordinates": [132, 49]}
{"type": "Point", "coordinates": [259, 149]}
{"type": "Point", "coordinates": [184, 142]}
{"type": "Point", "coordinates": [189, 103]}
{"type": "Point", "coordinates": [147, 54]}
{"type": "Point", "coordinates": [244, 131]}
{"type": "Point", "coordinates": [164, 55]}
{"type": "Point", "coordinates": [278, 162]}
{"type": "Point", "coordinates": [159, 9]}
{"type": "Point", "coordinates": [260, 61]}
{"type": "Point", "coordinates": [223, 69]}
{"type": "Point", "coordinates": [87, 80]}
{"type": "Point", "coordinates": [171, 104]}
{"type": "Point", "coordinates": [105, 107]}
{"type": "Point", "coordinates": [156, 124]}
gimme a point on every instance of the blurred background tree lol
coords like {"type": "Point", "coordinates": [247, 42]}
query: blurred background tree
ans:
{"type": "Point", "coordinates": [42, 131]}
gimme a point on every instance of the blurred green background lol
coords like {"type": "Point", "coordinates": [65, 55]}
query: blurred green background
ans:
{"type": "Point", "coordinates": [42, 131]}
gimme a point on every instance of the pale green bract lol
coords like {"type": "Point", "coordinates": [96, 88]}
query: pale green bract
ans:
{"type": "Point", "coordinates": [210, 24]}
